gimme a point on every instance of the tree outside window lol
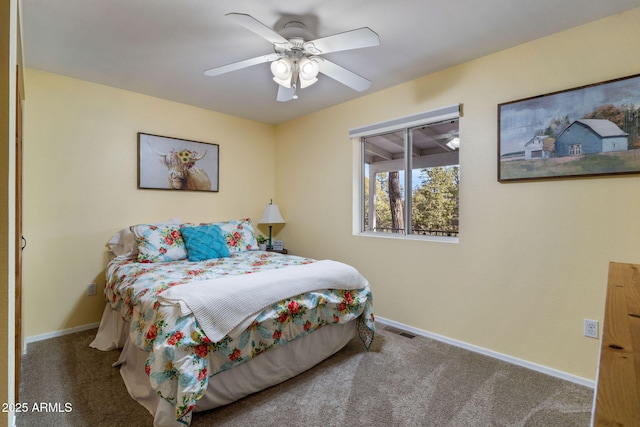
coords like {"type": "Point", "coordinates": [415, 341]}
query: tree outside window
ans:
{"type": "Point", "coordinates": [423, 202]}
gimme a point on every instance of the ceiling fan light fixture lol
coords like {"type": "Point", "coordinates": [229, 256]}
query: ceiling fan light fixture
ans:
{"type": "Point", "coordinates": [306, 83]}
{"type": "Point", "coordinates": [286, 83]}
{"type": "Point", "coordinates": [295, 57]}
{"type": "Point", "coordinates": [309, 68]}
{"type": "Point", "coordinates": [281, 67]}
{"type": "Point", "coordinates": [308, 71]}
{"type": "Point", "coordinates": [282, 71]}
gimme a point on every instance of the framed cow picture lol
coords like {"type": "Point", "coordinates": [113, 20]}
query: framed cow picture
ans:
{"type": "Point", "coordinates": [166, 163]}
{"type": "Point", "coordinates": [582, 132]}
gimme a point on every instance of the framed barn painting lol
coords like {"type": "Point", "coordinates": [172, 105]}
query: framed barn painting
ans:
{"type": "Point", "coordinates": [586, 131]}
{"type": "Point", "coordinates": [177, 164]}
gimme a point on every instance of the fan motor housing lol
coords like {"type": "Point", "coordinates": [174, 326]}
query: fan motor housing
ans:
{"type": "Point", "coordinates": [296, 30]}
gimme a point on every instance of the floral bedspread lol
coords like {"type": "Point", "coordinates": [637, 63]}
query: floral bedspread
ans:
{"type": "Point", "coordinates": [182, 359]}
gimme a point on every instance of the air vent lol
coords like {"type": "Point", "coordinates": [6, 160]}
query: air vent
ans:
{"type": "Point", "coordinates": [399, 332]}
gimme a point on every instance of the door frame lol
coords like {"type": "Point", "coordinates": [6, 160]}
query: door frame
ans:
{"type": "Point", "coordinates": [18, 236]}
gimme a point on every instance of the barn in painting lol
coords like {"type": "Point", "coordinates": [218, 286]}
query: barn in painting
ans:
{"type": "Point", "coordinates": [589, 136]}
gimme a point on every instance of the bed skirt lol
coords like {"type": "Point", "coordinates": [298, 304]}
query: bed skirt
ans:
{"type": "Point", "coordinates": [259, 373]}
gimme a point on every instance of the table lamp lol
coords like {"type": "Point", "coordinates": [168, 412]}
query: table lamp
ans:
{"type": "Point", "coordinates": [270, 216]}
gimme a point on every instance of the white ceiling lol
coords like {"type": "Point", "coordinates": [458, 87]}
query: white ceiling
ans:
{"type": "Point", "coordinates": [162, 47]}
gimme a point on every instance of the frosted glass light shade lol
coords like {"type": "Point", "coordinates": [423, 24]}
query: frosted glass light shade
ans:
{"type": "Point", "coordinates": [308, 72]}
{"type": "Point", "coordinates": [282, 71]}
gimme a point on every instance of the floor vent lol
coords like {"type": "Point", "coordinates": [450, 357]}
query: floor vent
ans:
{"type": "Point", "coordinates": [399, 332]}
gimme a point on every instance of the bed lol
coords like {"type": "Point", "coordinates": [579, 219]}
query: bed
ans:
{"type": "Point", "coordinates": [201, 331]}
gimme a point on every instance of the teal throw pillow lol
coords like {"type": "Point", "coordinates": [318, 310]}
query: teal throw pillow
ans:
{"type": "Point", "coordinates": [204, 242]}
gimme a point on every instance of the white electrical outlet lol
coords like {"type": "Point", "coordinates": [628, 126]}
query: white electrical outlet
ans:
{"type": "Point", "coordinates": [91, 289]}
{"type": "Point", "coordinates": [590, 328]}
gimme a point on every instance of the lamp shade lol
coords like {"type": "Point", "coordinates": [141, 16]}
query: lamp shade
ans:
{"type": "Point", "coordinates": [271, 215]}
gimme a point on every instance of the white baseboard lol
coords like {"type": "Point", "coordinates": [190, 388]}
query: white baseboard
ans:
{"type": "Point", "coordinates": [34, 338]}
{"type": "Point", "coordinates": [509, 359]}
{"type": "Point", "coordinates": [513, 360]}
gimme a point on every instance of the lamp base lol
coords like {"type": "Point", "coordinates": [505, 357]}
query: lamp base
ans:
{"type": "Point", "coordinates": [270, 245]}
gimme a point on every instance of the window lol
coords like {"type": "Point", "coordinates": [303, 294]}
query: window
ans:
{"type": "Point", "coordinates": [575, 149]}
{"type": "Point", "coordinates": [410, 177]}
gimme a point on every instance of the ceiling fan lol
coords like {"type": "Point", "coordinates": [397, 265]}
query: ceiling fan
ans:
{"type": "Point", "coordinates": [297, 59]}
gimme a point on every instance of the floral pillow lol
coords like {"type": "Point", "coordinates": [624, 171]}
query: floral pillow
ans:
{"type": "Point", "coordinates": [204, 242]}
{"type": "Point", "coordinates": [238, 234]}
{"type": "Point", "coordinates": [123, 243]}
{"type": "Point", "coordinates": [159, 242]}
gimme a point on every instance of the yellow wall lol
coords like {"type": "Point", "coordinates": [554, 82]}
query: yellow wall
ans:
{"type": "Point", "coordinates": [532, 259]}
{"type": "Point", "coordinates": [80, 185]}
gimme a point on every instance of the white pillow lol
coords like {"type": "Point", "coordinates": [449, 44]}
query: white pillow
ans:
{"type": "Point", "coordinates": [124, 241]}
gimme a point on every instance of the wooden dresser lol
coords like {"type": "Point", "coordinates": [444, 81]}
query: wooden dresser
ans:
{"type": "Point", "coordinates": [617, 399]}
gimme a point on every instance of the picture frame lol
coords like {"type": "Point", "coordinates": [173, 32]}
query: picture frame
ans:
{"type": "Point", "coordinates": [166, 163]}
{"type": "Point", "coordinates": [586, 131]}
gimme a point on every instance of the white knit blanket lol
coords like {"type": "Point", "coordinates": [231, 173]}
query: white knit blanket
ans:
{"type": "Point", "coordinates": [220, 305]}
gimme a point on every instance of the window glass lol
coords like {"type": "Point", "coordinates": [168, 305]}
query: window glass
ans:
{"type": "Point", "coordinates": [423, 202]}
{"type": "Point", "coordinates": [384, 180]}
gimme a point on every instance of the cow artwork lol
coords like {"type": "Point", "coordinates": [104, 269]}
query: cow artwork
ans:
{"type": "Point", "coordinates": [169, 163]}
{"type": "Point", "coordinates": [183, 174]}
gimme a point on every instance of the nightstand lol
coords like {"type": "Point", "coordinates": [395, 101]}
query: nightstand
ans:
{"type": "Point", "coordinates": [283, 251]}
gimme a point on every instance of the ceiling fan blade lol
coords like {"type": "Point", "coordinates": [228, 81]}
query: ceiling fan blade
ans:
{"type": "Point", "coordinates": [354, 39]}
{"type": "Point", "coordinates": [242, 64]}
{"type": "Point", "coordinates": [344, 76]}
{"type": "Point", "coordinates": [252, 24]}
{"type": "Point", "coordinates": [286, 94]}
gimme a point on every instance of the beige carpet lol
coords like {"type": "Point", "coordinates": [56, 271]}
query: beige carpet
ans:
{"type": "Point", "coordinates": [401, 381]}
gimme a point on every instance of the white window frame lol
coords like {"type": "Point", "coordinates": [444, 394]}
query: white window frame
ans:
{"type": "Point", "coordinates": [428, 117]}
